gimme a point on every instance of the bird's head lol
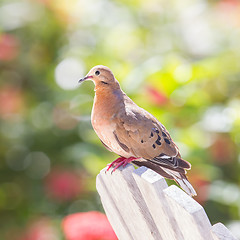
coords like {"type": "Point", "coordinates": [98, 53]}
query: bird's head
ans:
{"type": "Point", "coordinates": [101, 76]}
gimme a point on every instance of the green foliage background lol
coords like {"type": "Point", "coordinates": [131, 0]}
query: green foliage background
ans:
{"type": "Point", "coordinates": [180, 60]}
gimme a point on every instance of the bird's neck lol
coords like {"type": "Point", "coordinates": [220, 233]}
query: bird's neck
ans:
{"type": "Point", "coordinates": [108, 95]}
{"type": "Point", "coordinates": [107, 101]}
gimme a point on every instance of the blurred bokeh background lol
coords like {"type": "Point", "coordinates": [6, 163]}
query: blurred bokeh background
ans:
{"type": "Point", "coordinates": [180, 60]}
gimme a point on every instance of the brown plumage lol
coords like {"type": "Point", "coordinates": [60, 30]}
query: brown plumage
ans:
{"type": "Point", "coordinates": [132, 132]}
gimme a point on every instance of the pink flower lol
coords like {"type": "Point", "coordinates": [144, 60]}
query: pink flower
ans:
{"type": "Point", "coordinates": [11, 101]}
{"type": "Point", "coordinates": [88, 226]}
{"type": "Point", "coordinates": [223, 150]}
{"type": "Point", "coordinates": [9, 47]}
{"type": "Point", "coordinates": [228, 12]}
{"type": "Point", "coordinates": [157, 96]}
{"type": "Point", "coordinates": [201, 184]}
{"type": "Point", "coordinates": [228, 4]}
{"type": "Point", "coordinates": [63, 185]}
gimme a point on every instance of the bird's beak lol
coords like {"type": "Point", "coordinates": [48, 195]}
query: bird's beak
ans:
{"type": "Point", "coordinates": [85, 78]}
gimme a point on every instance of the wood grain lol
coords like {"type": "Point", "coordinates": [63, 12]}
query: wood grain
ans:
{"type": "Point", "coordinates": [140, 205]}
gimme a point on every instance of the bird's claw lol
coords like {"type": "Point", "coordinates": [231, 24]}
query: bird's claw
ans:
{"type": "Point", "coordinates": [121, 161]}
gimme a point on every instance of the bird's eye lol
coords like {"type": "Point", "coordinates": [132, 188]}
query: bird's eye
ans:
{"type": "Point", "coordinates": [97, 73]}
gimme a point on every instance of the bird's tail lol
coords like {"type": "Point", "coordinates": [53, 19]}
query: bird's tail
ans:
{"type": "Point", "coordinates": [178, 175]}
{"type": "Point", "coordinates": [182, 181]}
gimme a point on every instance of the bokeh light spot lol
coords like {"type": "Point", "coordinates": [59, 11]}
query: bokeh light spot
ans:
{"type": "Point", "coordinates": [16, 158]}
{"type": "Point", "coordinates": [16, 14]}
{"type": "Point", "coordinates": [39, 165]}
{"type": "Point", "coordinates": [183, 73]}
{"type": "Point", "coordinates": [68, 72]}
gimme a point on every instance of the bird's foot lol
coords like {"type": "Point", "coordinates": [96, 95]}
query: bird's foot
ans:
{"type": "Point", "coordinates": [121, 161]}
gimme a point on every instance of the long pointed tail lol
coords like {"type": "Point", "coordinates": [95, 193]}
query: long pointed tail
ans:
{"type": "Point", "coordinates": [177, 175]}
{"type": "Point", "coordinates": [182, 181]}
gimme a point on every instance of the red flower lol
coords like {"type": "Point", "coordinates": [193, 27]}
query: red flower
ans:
{"type": "Point", "coordinates": [223, 150]}
{"type": "Point", "coordinates": [88, 226]}
{"type": "Point", "coordinates": [228, 4]}
{"type": "Point", "coordinates": [9, 47]}
{"type": "Point", "coordinates": [228, 12]}
{"type": "Point", "coordinates": [201, 184]}
{"type": "Point", "coordinates": [11, 101]}
{"type": "Point", "coordinates": [157, 96]}
{"type": "Point", "coordinates": [63, 185]}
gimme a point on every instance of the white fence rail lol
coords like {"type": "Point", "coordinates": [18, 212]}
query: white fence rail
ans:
{"type": "Point", "coordinates": [140, 206]}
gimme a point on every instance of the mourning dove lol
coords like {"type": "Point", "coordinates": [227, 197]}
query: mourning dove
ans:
{"type": "Point", "coordinates": [132, 132]}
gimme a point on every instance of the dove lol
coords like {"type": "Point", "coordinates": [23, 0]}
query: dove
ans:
{"type": "Point", "coordinates": [133, 133]}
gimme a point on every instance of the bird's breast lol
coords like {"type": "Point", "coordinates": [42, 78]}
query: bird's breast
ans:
{"type": "Point", "coordinates": [104, 125]}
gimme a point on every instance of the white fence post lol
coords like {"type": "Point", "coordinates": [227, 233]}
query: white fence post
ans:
{"type": "Point", "coordinates": [140, 205]}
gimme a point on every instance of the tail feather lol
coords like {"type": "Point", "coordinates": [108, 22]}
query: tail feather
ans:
{"type": "Point", "coordinates": [178, 175]}
{"type": "Point", "coordinates": [182, 181]}
{"type": "Point", "coordinates": [172, 162]}
{"type": "Point", "coordinates": [183, 163]}
{"type": "Point", "coordinates": [186, 186]}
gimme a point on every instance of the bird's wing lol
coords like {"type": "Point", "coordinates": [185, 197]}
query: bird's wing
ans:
{"type": "Point", "coordinates": [141, 134]}
{"type": "Point", "coordinates": [108, 148]}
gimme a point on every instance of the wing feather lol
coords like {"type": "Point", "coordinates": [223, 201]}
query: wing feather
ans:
{"type": "Point", "coordinates": [142, 135]}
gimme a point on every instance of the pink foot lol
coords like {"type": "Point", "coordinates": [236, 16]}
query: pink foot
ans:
{"type": "Point", "coordinates": [121, 161]}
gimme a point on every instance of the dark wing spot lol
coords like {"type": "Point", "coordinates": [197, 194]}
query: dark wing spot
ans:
{"type": "Point", "coordinates": [166, 140]}
{"type": "Point", "coordinates": [154, 146]}
{"type": "Point", "coordinates": [158, 140]}
{"type": "Point", "coordinates": [155, 130]}
{"type": "Point", "coordinates": [151, 134]}
{"type": "Point", "coordinates": [164, 134]}
{"type": "Point", "coordinates": [141, 141]}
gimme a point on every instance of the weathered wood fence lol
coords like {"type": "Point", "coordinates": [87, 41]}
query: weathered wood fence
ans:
{"type": "Point", "coordinates": [140, 206]}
